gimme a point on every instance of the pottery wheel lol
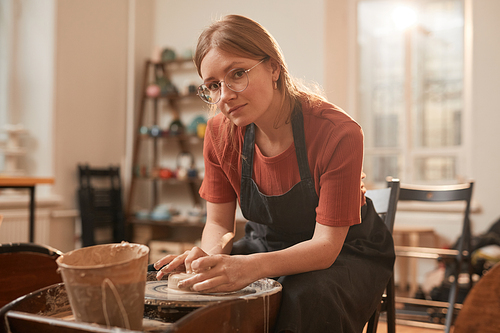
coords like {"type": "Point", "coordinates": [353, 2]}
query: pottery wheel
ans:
{"type": "Point", "coordinates": [158, 292]}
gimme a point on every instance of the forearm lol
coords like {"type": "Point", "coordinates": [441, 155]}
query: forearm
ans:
{"type": "Point", "coordinates": [217, 239]}
{"type": "Point", "coordinates": [318, 253]}
{"type": "Point", "coordinates": [218, 234]}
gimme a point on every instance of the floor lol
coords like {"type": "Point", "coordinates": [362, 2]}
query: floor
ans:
{"type": "Point", "coordinates": [382, 328]}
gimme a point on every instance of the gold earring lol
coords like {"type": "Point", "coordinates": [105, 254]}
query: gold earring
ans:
{"type": "Point", "coordinates": [275, 85]}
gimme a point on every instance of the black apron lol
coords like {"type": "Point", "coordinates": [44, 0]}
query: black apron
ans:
{"type": "Point", "coordinates": [340, 298]}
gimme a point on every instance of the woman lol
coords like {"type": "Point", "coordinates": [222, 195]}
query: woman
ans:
{"type": "Point", "coordinates": [294, 163]}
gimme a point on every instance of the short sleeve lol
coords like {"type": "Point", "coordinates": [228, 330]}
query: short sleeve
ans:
{"type": "Point", "coordinates": [339, 171]}
{"type": "Point", "coordinates": [216, 186]}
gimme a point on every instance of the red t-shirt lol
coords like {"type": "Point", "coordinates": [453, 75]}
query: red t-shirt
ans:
{"type": "Point", "coordinates": [334, 144]}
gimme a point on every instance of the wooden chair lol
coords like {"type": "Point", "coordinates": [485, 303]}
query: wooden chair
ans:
{"type": "Point", "coordinates": [26, 267]}
{"type": "Point", "coordinates": [457, 257]}
{"type": "Point", "coordinates": [385, 202]}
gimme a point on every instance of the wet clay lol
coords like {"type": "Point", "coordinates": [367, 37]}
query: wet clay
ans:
{"type": "Point", "coordinates": [175, 278]}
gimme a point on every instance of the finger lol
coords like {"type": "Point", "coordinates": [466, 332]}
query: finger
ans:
{"type": "Point", "coordinates": [193, 255]}
{"type": "Point", "coordinates": [178, 261]}
{"type": "Point", "coordinates": [164, 261]}
{"type": "Point", "coordinates": [161, 273]}
{"type": "Point", "coordinates": [169, 269]}
{"type": "Point", "coordinates": [197, 278]}
{"type": "Point", "coordinates": [173, 265]}
{"type": "Point", "coordinates": [205, 263]}
{"type": "Point", "coordinates": [212, 285]}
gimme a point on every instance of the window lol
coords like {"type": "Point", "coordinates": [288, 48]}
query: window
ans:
{"type": "Point", "coordinates": [410, 89]}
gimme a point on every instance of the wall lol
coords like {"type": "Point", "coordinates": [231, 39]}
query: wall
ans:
{"type": "Point", "coordinates": [296, 25]}
{"type": "Point", "coordinates": [485, 156]}
{"type": "Point", "coordinates": [339, 53]}
{"type": "Point", "coordinates": [90, 97]}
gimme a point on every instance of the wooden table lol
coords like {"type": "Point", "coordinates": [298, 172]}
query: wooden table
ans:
{"type": "Point", "coordinates": [28, 183]}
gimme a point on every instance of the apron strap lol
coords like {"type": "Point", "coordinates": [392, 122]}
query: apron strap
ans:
{"type": "Point", "coordinates": [298, 140]}
{"type": "Point", "coordinates": [247, 152]}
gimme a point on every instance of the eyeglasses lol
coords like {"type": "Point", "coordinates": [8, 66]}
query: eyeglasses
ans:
{"type": "Point", "coordinates": [236, 79]}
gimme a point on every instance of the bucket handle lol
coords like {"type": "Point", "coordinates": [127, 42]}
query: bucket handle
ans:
{"type": "Point", "coordinates": [118, 301]}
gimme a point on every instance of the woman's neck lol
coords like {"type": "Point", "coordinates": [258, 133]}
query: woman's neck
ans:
{"type": "Point", "coordinates": [274, 134]}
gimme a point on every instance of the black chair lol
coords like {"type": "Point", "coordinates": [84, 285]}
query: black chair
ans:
{"type": "Point", "coordinates": [100, 201]}
{"type": "Point", "coordinates": [454, 258]}
{"type": "Point", "coordinates": [385, 202]}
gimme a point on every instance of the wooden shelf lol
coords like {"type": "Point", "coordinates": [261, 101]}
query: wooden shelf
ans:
{"type": "Point", "coordinates": [156, 148]}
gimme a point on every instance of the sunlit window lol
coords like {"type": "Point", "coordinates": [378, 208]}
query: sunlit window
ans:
{"type": "Point", "coordinates": [410, 91]}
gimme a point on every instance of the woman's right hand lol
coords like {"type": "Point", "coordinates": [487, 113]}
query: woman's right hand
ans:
{"type": "Point", "coordinates": [178, 263]}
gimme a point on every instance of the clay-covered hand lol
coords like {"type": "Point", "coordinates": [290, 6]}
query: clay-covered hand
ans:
{"type": "Point", "coordinates": [176, 263]}
{"type": "Point", "coordinates": [220, 273]}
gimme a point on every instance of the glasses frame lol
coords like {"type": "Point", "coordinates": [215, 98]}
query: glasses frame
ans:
{"type": "Point", "coordinates": [202, 87]}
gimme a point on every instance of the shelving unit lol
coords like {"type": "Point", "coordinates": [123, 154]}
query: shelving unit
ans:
{"type": "Point", "coordinates": [161, 138]}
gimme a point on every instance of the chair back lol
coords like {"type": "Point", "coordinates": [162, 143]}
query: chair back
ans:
{"type": "Point", "coordinates": [444, 193]}
{"type": "Point", "coordinates": [385, 202]}
{"type": "Point", "coordinates": [459, 255]}
{"type": "Point", "coordinates": [26, 267]}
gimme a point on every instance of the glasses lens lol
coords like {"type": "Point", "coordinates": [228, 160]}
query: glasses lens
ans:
{"type": "Point", "coordinates": [208, 96]}
{"type": "Point", "coordinates": [237, 79]}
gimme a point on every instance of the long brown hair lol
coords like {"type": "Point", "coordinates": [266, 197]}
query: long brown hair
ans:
{"type": "Point", "coordinates": [246, 38]}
